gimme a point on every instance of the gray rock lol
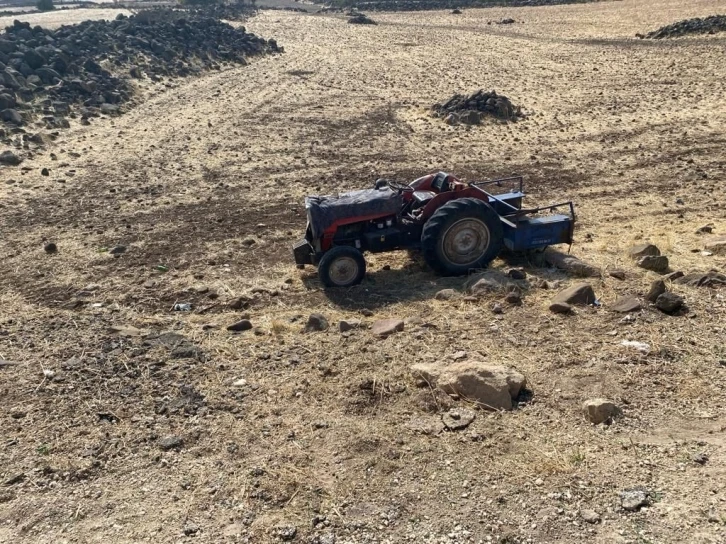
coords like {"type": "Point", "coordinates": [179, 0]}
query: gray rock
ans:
{"type": "Point", "coordinates": [626, 304]}
{"type": "Point", "coordinates": [458, 418]}
{"type": "Point", "coordinates": [12, 116]}
{"type": "Point", "coordinates": [45, 172]}
{"type": "Point", "coordinates": [470, 117]}
{"type": "Point", "coordinates": [654, 263]}
{"type": "Point", "coordinates": [571, 264]}
{"type": "Point", "coordinates": [187, 350]}
{"type": "Point", "coordinates": [61, 108]}
{"type": "Point", "coordinates": [191, 529]}
{"type": "Point", "coordinates": [6, 101]}
{"type": "Point", "coordinates": [451, 119]}
{"type": "Point", "coordinates": [34, 59]}
{"type": "Point", "coordinates": [10, 158]}
{"type": "Point", "coordinates": [600, 410]}
{"type": "Point", "coordinates": [590, 516]}
{"type": "Point", "coordinates": [517, 274]}
{"type": "Point", "coordinates": [117, 250]}
{"type": "Point", "coordinates": [673, 276]}
{"type": "Point", "coordinates": [171, 443]}
{"type": "Point", "coordinates": [240, 326]}
{"type": "Point", "coordinates": [428, 425]}
{"type": "Point", "coordinates": [489, 281]}
{"type": "Point", "coordinates": [618, 274]}
{"type": "Point", "coordinates": [15, 478]}
{"type": "Point", "coordinates": [669, 303]}
{"type": "Point", "coordinates": [446, 294]}
{"type": "Point", "coordinates": [634, 499]}
{"type": "Point", "coordinates": [326, 538]}
{"type": "Point", "coordinates": [485, 285]}
{"type": "Point", "coordinates": [581, 293]}
{"type": "Point", "coordinates": [492, 386]}
{"type": "Point", "coordinates": [47, 75]}
{"type": "Point", "coordinates": [50, 247]}
{"type": "Point", "coordinates": [386, 327]}
{"type": "Point", "coordinates": [657, 288]}
{"type": "Point", "coordinates": [514, 297]}
{"type": "Point", "coordinates": [642, 250]}
{"type": "Point", "coordinates": [560, 308]}
{"type": "Point", "coordinates": [349, 324]}
{"type": "Point", "coordinates": [316, 323]}
{"type": "Point", "coordinates": [286, 533]}
{"type": "Point", "coordinates": [700, 458]}
{"type": "Point", "coordinates": [109, 109]}
{"type": "Point", "coordinates": [717, 246]}
{"type": "Point", "coordinates": [698, 279]}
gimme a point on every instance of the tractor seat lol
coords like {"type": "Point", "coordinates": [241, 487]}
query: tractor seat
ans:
{"type": "Point", "coordinates": [422, 197]}
{"type": "Point", "coordinates": [324, 211]}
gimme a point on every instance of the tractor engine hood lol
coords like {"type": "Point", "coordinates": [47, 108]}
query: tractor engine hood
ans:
{"type": "Point", "coordinates": [351, 207]}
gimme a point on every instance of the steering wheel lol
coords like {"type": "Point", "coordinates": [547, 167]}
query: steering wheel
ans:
{"type": "Point", "coordinates": [400, 187]}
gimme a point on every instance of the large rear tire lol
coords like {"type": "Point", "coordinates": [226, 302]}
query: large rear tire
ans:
{"type": "Point", "coordinates": [462, 235]}
{"type": "Point", "coordinates": [342, 266]}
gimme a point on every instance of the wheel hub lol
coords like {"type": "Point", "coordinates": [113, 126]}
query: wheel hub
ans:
{"type": "Point", "coordinates": [466, 241]}
{"type": "Point", "coordinates": [343, 270]}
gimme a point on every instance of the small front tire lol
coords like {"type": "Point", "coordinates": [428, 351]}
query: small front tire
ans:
{"type": "Point", "coordinates": [342, 266]}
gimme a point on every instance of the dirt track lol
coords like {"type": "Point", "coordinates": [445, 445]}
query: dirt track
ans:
{"type": "Point", "coordinates": [323, 427]}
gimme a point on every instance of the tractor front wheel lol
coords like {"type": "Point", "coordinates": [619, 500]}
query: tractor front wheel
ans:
{"type": "Point", "coordinates": [462, 235]}
{"type": "Point", "coordinates": [342, 266]}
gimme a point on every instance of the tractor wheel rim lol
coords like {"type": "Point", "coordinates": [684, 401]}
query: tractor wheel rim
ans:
{"type": "Point", "coordinates": [465, 241]}
{"type": "Point", "coordinates": [343, 270]}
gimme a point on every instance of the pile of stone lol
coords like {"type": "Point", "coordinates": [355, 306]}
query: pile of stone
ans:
{"type": "Point", "coordinates": [706, 25]}
{"type": "Point", "coordinates": [361, 19]}
{"type": "Point", "coordinates": [88, 68]}
{"type": "Point", "coordinates": [472, 109]}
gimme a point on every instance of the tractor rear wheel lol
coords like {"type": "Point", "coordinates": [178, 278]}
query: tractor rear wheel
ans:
{"type": "Point", "coordinates": [342, 266]}
{"type": "Point", "coordinates": [462, 235]}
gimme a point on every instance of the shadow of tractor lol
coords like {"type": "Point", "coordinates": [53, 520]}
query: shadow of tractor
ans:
{"type": "Point", "coordinates": [403, 278]}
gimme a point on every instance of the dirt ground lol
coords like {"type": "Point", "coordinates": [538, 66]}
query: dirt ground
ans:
{"type": "Point", "coordinates": [125, 421]}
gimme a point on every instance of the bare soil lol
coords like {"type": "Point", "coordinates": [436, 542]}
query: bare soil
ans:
{"type": "Point", "coordinates": [204, 183]}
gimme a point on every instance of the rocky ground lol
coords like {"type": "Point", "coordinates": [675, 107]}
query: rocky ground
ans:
{"type": "Point", "coordinates": [697, 25]}
{"type": "Point", "coordinates": [88, 70]}
{"type": "Point", "coordinates": [131, 412]}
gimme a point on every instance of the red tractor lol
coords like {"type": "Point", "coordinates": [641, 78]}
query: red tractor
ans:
{"type": "Point", "coordinates": [459, 227]}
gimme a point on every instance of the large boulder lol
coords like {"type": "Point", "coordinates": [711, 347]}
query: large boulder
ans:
{"type": "Point", "coordinates": [492, 386]}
